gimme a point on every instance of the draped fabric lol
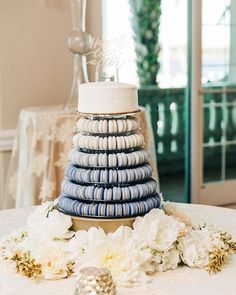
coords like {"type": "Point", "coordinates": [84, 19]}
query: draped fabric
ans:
{"type": "Point", "coordinates": [39, 157]}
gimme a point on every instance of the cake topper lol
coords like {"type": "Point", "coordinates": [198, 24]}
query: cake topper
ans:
{"type": "Point", "coordinates": [108, 55]}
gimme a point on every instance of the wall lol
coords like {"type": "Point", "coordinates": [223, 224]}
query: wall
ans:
{"type": "Point", "coordinates": [35, 63]}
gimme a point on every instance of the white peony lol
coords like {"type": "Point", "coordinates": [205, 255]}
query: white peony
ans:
{"type": "Point", "coordinates": [54, 258]}
{"type": "Point", "coordinates": [194, 247]}
{"type": "Point", "coordinates": [157, 230]}
{"type": "Point", "coordinates": [116, 251]}
{"type": "Point", "coordinates": [48, 223]}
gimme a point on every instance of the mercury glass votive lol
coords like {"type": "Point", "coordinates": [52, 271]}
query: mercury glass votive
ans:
{"type": "Point", "coordinates": [95, 281]}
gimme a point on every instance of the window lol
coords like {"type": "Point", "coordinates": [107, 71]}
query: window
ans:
{"type": "Point", "coordinates": [216, 31]}
{"type": "Point", "coordinates": [172, 39]}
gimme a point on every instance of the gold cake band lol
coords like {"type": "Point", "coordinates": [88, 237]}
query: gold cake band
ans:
{"type": "Point", "coordinates": [108, 225]}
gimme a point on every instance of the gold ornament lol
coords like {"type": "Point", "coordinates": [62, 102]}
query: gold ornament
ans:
{"type": "Point", "coordinates": [95, 281]}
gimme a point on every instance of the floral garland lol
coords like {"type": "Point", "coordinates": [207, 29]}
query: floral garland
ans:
{"type": "Point", "coordinates": [159, 241]}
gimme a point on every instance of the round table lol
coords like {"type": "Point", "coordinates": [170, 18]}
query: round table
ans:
{"type": "Point", "coordinates": [183, 281]}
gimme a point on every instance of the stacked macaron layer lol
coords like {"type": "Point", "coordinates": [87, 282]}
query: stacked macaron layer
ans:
{"type": "Point", "coordinates": [104, 143]}
{"type": "Point", "coordinates": [108, 175]}
{"type": "Point", "coordinates": [103, 126]}
{"type": "Point", "coordinates": [107, 160]}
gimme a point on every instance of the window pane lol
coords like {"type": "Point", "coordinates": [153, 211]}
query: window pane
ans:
{"type": "Point", "coordinates": [231, 162]}
{"type": "Point", "coordinates": [212, 163]}
{"type": "Point", "coordinates": [172, 56]}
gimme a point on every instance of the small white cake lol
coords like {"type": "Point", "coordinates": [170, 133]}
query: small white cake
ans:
{"type": "Point", "coordinates": [107, 98]}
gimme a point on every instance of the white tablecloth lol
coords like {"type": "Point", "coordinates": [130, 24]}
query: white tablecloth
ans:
{"type": "Point", "coordinates": [183, 281]}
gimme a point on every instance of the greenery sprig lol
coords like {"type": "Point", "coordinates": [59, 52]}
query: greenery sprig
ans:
{"type": "Point", "coordinates": [145, 22]}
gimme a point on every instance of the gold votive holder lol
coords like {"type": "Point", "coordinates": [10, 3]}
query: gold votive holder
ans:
{"type": "Point", "coordinates": [95, 281]}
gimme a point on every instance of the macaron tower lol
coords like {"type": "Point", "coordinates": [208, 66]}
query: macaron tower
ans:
{"type": "Point", "coordinates": [108, 176]}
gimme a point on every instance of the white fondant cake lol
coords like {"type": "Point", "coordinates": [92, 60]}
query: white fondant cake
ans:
{"type": "Point", "coordinates": [107, 98]}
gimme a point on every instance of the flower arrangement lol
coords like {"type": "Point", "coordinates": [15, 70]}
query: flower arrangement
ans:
{"type": "Point", "coordinates": [159, 241]}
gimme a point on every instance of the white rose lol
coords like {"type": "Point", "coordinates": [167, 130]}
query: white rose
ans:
{"type": "Point", "coordinates": [157, 230]}
{"type": "Point", "coordinates": [195, 247]}
{"type": "Point", "coordinates": [48, 225]}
